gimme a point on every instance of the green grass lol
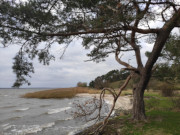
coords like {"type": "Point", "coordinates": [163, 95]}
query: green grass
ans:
{"type": "Point", "coordinates": [163, 118]}
{"type": "Point", "coordinates": [158, 123]}
{"type": "Point", "coordinates": [162, 103]}
{"type": "Point", "coordinates": [152, 94]}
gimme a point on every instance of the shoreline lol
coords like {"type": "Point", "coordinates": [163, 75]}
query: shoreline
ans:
{"type": "Point", "coordinates": [123, 102]}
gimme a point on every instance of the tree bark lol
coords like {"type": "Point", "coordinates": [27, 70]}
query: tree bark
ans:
{"type": "Point", "coordinates": [138, 96]}
{"type": "Point", "coordinates": [138, 106]}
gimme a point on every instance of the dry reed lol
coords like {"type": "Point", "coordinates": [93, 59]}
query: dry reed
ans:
{"type": "Point", "coordinates": [60, 93]}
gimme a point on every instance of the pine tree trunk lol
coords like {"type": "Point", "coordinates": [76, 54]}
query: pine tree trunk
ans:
{"type": "Point", "coordinates": [138, 97]}
{"type": "Point", "coordinates": [138, 105]}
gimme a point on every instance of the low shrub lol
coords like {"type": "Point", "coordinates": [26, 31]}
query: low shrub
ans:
{"type": "Point", "coordinates": [167, 90]}
{"type": "Point", "coordinates": [81, 84]}
{"type": "Point", "coordinates": [153, 84]}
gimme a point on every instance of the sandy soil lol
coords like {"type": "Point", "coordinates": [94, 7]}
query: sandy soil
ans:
{"type": "Point", "coordinates": [123, 102]}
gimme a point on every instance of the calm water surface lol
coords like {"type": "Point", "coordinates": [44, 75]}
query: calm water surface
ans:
{"type": "Point", "coordinates": [21, 116]}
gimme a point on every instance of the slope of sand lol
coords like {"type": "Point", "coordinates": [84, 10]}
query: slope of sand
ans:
{"type": "Point", "coordinates": [123, 102]}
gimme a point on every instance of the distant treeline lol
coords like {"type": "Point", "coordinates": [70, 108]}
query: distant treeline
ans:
{"type": "Point", "coordinates": [164, 73]}
{"type": "Point", "coordinates": [112, 76]}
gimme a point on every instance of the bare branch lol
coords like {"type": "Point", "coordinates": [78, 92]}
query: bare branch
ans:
{"type": "Point", "coordinates": [122, 62]}
{"type": "Point", "coordinates": [139, 15]}
{"type": "Point", "coordinates": [162, 13]}
{"type": "Point", "coordinates": [114, 101]}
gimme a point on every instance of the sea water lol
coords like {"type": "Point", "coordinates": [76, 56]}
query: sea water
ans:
{"type": "Point", "coordinates": [21, 116]}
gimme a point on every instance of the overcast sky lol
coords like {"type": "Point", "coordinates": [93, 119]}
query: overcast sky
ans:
{"type": "Point", "coordinates": [64, 72]}
{"type": "Point", "coordinates": [60, 73]}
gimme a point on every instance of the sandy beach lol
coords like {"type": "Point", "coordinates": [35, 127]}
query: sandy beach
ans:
{"type": "Point", "coordinates": [123, 102]}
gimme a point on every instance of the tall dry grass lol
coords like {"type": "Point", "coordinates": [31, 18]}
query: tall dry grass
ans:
{"type": "Point", "coordinates": [60, 93]}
